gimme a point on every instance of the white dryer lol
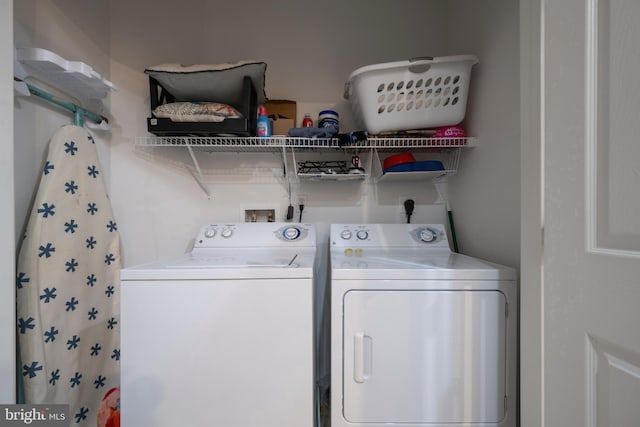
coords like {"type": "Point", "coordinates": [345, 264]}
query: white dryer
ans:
{"type": "Point", "coordinates": [420, 336]}
{"type": "Point", "coordinates": [222, 336]}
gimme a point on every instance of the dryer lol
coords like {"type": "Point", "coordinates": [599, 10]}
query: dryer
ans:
{"type": "Point", "coordinates": [222, 336]}
{"type": "Point", "coordinates": [420, 336]}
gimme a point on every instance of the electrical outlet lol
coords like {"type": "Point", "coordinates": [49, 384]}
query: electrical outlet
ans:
{"type": "Point", "coordinates": [402, 213]}
{"type": "Point", "coordinates": [302, 199]}
{"type": "Point", "coordinates": [403, 199]}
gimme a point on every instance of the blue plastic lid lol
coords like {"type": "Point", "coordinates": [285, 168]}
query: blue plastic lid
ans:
{"type": "Point", "coordinates": [424, 166]}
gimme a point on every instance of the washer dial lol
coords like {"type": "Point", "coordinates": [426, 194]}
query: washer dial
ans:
{"type": "Point", "coordinates": [362, 234]}
{"type": "Point", "coordinates": [346, 234]}
{"type": "Point", "coordinates": [291, 233]}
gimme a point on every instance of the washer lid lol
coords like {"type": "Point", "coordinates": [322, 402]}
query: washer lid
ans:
{"type": "Point", "coordinates": [223, 263]}
{"type": "Point", "coordinates": [397, 263]}
{"type": "Point", "coordinates": [235, 259]}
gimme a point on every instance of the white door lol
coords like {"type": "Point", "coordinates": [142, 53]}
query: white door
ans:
{"type": "Point", "coordinates": [591, 253]}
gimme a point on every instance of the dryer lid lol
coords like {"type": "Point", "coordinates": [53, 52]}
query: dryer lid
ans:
{"type": "Point", "coordinates": [399, 263]}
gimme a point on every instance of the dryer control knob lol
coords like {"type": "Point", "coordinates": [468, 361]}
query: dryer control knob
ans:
{"type": "Point", "coordinates": [345, 234]}
{"type": "Point", "coordinates": [362, 234]}
{"type": "Point", "coordinates": [428, 235]}
{"type": "Point", "coordinates": [291, 233]}
{"type": "Point", "coordinates": [209, 232]}
{"type": "Point", "coordinates": [226, 233]}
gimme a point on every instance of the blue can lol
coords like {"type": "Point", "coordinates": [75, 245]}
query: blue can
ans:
{"type": "Point", "coordinates": [328, 118]}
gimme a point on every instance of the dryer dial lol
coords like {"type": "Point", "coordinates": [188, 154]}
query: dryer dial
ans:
{"type": "Point", "coordinates": [226, 233]}
{"type": "Point", "coordinates": [209, 233]}
{"type": "Point", "coordinates": [362, 234]}
{"type": "Point", "coordinates": [428, 235]}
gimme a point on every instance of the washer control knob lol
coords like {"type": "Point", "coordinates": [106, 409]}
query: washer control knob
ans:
{"type": "Point", "coordinates": [345, 234]}
{"type": "Point", "coordinates": [291, 233]}
{"type": "Point", "coordinates": [362, 234]}
{"type": "Point", "coordinates": [226, 233]}
{"type": "Point", "coordinates": [428, 235]}
{"type": "Point", "coordinates": [209, 233]}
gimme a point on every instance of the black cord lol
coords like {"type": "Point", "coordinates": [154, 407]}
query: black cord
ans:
{"type": "Point", "coordinates": [301, 209]}
{"type": "Point", "coordinates": [290, 208]}
{"type": "Point", "coordinates": [409, 204]}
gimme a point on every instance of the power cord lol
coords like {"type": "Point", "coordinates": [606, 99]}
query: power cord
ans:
{"type": "Point", "coordinates": [409, 204]}
{"type": "Point", "coordinates": [301, 209]}
{"type": "Point", "coordinates": [290, 208]}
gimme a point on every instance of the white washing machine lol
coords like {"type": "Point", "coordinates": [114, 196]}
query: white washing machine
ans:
{"type": "Point", "coordinates": [420, 336]}
{"type": "Point", "coordinates": [222, 336]}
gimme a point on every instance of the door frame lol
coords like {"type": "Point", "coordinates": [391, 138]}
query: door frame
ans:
{"type": "Point", "coordinates": [7, 215]}
{"type": "Point", "coordinates": [532, 217]}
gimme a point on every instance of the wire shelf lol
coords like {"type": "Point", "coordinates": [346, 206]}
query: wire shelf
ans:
{"type": "Point", "coordinates": [417, 143]}
{"type": "Point", "coordinates": [231, 143]}
{"type": "Point", "coordinates": [226, 143]}
{"type": "Point", "coordinates": [448, 148]}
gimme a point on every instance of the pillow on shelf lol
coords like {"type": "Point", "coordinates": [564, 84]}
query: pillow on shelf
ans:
{"type": "Point", "coordinates": [196, 112]}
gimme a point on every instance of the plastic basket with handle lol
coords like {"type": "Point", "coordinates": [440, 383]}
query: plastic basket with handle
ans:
{"type": "Point", "coordinates": [419, 93]}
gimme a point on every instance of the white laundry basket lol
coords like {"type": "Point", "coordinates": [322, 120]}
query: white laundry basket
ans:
{"type": "Point", "coordinates": [419, 93]}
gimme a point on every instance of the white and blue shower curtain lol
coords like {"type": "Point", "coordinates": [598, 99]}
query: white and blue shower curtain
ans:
{"type": "Point", "coordinates": [68, 284]}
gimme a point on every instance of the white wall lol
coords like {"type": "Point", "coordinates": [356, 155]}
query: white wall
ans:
{"type": "Point", "coordinates": [7, 250]}
{"type": "Point", "coordinates": [310, 54]}
{"type": "Point", "coordinates": [76, 30]}
{"type": "Point", "coordinates": [310, 48]}
{"type": "Point", "coordinates": [485, 193]}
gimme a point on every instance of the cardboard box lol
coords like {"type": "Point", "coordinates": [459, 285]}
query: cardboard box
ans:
{"type": "Point", "coordinates": [280, 125]}
{"type": "Point", "coordinates": [282, 114]}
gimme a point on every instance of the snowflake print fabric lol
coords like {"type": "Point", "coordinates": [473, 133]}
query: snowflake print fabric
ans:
{"type": "Point", "coordinates": [68, 320]}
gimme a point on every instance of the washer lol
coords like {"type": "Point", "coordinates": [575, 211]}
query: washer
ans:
{"type": "Point", "coordinates": [420, 336]}
{"type": "Point", "coordinates": [222, 336]}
